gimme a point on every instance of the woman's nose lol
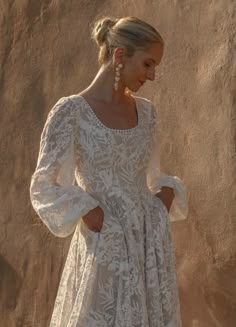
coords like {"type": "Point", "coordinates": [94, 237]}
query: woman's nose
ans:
{"type": "Point", "coordinates": [151, 75]}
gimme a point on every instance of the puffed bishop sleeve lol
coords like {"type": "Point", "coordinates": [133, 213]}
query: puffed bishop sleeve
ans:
{"type": "Point", "coordinates": [58, 202]}
{"type": "Point", "coordinates": [156, 179]}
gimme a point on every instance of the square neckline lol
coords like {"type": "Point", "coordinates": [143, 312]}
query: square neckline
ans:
{"type": "Point", "coordinates": [110, 128]}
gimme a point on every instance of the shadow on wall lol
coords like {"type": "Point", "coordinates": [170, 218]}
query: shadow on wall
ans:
{"type": "Point", "coordinates": [10, 284]}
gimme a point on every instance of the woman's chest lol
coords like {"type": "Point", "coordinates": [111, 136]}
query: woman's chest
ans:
{"type": "Point", "coordinates": [120, 116]}
{"type": "Point", "coordinates": [103, 147]}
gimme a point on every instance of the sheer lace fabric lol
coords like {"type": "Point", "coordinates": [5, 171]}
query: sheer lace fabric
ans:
{"type": "Point", "coordinates": [125, 275]}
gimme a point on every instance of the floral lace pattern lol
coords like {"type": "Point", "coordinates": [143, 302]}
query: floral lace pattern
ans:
{"type": "Point", "coordinates": [125, 275]}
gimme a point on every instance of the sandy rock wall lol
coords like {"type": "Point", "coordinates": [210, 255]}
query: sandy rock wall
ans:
{"type": "Point", "coordinates": [45, 53]}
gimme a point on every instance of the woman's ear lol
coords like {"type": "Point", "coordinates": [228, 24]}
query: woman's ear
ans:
{"type": "Point", "coordinates": [118, 55]}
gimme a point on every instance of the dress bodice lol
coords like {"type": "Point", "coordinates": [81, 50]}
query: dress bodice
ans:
{"type": "Point", "coordinates": [112, 158]}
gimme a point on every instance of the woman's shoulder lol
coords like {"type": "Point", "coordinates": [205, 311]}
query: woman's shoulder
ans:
{"type": "Point", "coordinates": [68, 101]}
{"type": "Point", "coordinates": [144, 101]}
{"type": "Point", "coordinates": [146, 105]}
{"type": "Point", "coordinates": [61, 105]}
{"type": "Point", "coordinates": [66, 105]}
{"type": "Point", "coordinates": [64, 110]}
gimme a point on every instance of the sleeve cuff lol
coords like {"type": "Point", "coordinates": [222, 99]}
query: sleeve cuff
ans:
{"type": "Point", "coordinates": [179, 207]}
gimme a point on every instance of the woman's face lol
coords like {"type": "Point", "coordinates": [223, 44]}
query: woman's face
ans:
{"type": "Point", "coordinates": [141, 67]}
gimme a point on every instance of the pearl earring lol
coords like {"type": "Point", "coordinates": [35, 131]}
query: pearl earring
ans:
{"type": "Point", "coordinates": [117, 76]}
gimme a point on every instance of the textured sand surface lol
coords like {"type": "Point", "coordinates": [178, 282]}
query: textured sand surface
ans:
{"type": "Point", "coordinates": [45, 53]}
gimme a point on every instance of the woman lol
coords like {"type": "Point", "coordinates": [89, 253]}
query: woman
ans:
{"type": "Point", "coordinates": [120, 269]}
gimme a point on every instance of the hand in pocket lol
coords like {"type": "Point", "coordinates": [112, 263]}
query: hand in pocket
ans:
{"type": "Point", "coordinates": [166, 195]}
{"type": "Point", "coordinates": [94, 219]}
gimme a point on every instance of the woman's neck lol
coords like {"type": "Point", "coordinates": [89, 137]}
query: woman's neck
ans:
{"type": "Point", "coordinates": [102, 87]}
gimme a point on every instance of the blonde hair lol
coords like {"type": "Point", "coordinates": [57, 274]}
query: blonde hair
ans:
{"type": "Point", "coordinates": [128, 32]}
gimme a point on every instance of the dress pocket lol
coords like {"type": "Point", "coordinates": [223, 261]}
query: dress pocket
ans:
{"type": "Point", "coordinates": [161, 204]}
{"type": "Point", "coordinates": [94, 232]}
{"type": "Point", "coordinates": [87, 232]}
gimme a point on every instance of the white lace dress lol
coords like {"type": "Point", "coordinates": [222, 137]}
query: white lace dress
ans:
{"type": "Point", "coordinates": [125, 275]}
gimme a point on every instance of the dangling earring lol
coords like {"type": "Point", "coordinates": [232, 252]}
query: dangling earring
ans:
{"type": "Point", "coordinates": [117, 76]}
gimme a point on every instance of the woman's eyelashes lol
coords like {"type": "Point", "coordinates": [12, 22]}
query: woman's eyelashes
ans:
{"type": "Point", "coordinates": [150, 65]}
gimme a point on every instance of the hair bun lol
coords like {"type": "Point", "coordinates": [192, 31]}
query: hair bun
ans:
{"type": "Point", "coordinates": [101, 29]}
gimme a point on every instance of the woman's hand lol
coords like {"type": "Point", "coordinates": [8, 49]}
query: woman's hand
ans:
{"type": "Point", "coordinates": [166, 195]}
{"type": "Point", "coordinates": [94, 219]}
